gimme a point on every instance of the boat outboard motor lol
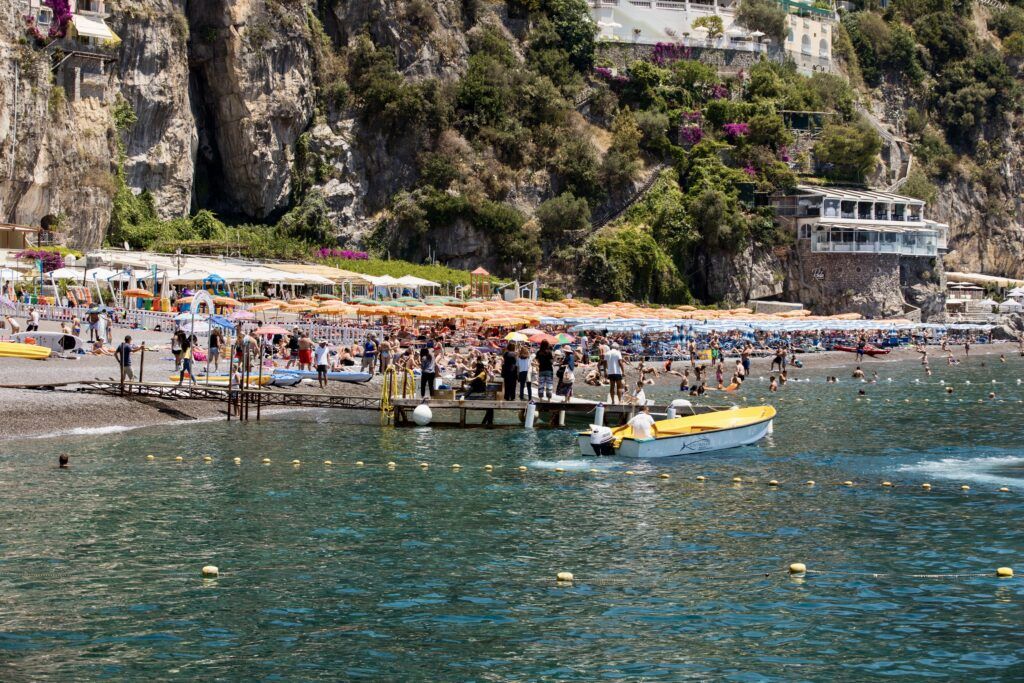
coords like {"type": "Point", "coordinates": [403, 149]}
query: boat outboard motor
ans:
{"type": "Point", "coordinates": [602, 440]}
{"type": "Point", "coordinates": [683, 404]}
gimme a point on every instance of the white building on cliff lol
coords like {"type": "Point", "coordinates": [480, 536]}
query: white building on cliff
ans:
{"type": "Point", "coordinates": [649, 22]}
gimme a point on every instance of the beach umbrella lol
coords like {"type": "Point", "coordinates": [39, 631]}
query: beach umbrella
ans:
{"type": "Point", "coordinates": [326, 297]}
{"type": "Point", "coordinates": [543, 336]}
{"type": "Point", "coordinates": [563, 338]}
{"type": "Point", "coordinates": [270, 330]}
{"type": "Point", "coordinates": [265, 306]}
{"type": "Point", "coordinates": [226, 301]}
{"type": "Point", "coordinates": [528, 331]}
{"type": "Point", "coordinates": [243, 315]}
{"type": "Point", "coordinates": [138, 293]}
{"type": "Point", "coordinates": [254, 298]}
{"type": "Point", "coordinates": [516, 337]}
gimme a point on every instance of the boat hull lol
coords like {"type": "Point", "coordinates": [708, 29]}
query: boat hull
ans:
{"type": "Point", "coordinates": [687, 444]}
{"type": "Point", "coordinates": [55, 341]}
{"type": "Point", "coordinates": [27, 351]}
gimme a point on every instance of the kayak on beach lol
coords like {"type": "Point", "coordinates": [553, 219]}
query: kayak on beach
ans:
{"type": "Point", "coordinates": [28, 351]}
{"type": "Point", "coordinates": [868, 350]}
{"type": "Point", "coordinates": [357, 377]}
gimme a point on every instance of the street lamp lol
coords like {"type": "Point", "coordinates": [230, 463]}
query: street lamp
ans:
{"type": "Point", "coordinates": [177, 260]}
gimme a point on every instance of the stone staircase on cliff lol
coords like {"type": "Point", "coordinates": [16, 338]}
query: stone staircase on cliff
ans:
{"type": "Point", "coordinates": [906, 157]}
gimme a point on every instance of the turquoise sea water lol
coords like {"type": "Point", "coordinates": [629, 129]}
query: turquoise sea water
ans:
{"type": "Point", "coordinates": [345, 572]}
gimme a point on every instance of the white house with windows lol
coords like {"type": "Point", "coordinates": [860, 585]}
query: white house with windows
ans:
{"type": "Point", "coordinates": [852, 221]}
{"type": "Point", "coordinates": [88, 26]}
{"type": "Point", "coordinates": [648, 22]}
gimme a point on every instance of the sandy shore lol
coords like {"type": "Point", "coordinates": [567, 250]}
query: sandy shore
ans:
{"type": "Point", "coordinates": [33, 413]}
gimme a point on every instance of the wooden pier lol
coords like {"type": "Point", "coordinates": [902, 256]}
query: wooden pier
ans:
{"type": "Point", "coordinates": [241, 403]}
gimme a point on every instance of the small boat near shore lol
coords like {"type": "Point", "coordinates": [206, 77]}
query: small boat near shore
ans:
{"type": "Point", "coordinates": [346, 376]}
{"type": "Point", "coordinates": [688, 435]}
{"type": "Point", "coordinates": [57, 342]}
{"type": "Point", "coordinates": [869, 350]}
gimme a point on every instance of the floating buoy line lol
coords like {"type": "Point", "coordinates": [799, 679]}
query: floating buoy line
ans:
{"type": "Point", "coordinates": [699, 481]}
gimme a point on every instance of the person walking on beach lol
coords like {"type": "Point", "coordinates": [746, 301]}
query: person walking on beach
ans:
{"type": "Point", "coordinates": [322, 354]}
{"type": "Point", "coordinates": [123, 354]}
{"type": "Point", "coordinates": [33, 320]}
{"type": "Point", "coordinates": [293, 348]}
{"type": "Point", "coordinates": [186, 360]}
{"type": "Point", "coordinates": [861, 345]}
{"type": "Point", "coordinates": [16, 326]}
{"type": "Point", "coordinates": [175, 347]}
{"type": "Point", "coordinates": [306, 353]}
{"type": "Point", "coordinates": [216, 341]}
{"type": "Point", "coordinates": [369, 354]}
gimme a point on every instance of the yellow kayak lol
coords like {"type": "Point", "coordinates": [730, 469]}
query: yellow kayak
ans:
{"type": "Point", "coordinates": [222, 380]}
{"type": "Point", "coordinates": [29, 351]}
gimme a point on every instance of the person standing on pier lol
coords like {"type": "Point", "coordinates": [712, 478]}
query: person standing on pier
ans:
{"type": "Point", "coordinates": [123, 354]}
{"type": "Point", "coordinates": [322, 353]}
{"type": "Point", "coordinates": [509, 371]}
{"type": "Point", "coordinates": [545, 371]}
{"type": "Point", "coordinates": [428, 370]}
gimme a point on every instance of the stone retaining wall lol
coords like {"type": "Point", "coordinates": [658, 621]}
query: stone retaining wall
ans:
{"type": "Point", "coordinates": [621, 55]}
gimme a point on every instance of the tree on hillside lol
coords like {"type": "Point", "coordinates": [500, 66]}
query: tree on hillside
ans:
{"type": "Point", "coordinates": [572, 22]}
{"type": "Point", "coordinates": [562, 213]}
{"type": "Point", "coordinates": [766, 16]}
{"type": "Point", "coordinates": [622, 162]}
{"type": "Point", "coordinates": [712, 24]}
{"type": "Point", "coordinates": [848, 152]}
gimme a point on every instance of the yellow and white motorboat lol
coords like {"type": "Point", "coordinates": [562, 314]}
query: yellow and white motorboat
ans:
{"type": "Point", "coordinates": [689, 435]}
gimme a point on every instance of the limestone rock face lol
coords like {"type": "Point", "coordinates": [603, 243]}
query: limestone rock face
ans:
{"type": "Point", "coordinates": [253, 79]}
{"type": "Point", "coordinates": [56, 156]}
{"type": "Point", "coordinates": [428, 38]}
{"type": "Point", "coordinates": [152, 69]}
{"type": "Point", "coordinates": [754, 273]}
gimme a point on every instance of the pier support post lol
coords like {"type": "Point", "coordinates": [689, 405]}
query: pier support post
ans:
{"type": "Point", "coordinates": [531, 414]}
{"type": "Point", "coordinates": [599, 414]}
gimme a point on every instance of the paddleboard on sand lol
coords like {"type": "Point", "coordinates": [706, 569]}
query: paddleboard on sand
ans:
{"type": "Point", "coordinates": [333, 376]}
{"type": "Point", "coordinates": [55, 341]}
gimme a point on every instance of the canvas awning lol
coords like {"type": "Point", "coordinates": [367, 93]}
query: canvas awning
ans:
{"type": "Point", "coordinates": [92, 27]}
{"type": "Point", "coordinates": [415, 282]}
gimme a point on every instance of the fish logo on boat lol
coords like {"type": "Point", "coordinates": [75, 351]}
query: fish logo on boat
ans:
{"type": "Point", "coordinates": [697, 445]}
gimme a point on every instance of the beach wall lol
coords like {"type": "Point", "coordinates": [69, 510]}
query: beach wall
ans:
{"type": "Point", "coordinates": [843, 283]}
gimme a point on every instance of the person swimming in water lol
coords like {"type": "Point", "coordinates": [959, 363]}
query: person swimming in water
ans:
{"type": "Point", "coordinates": [63, 462]}
{"type": "Point", "coordinates": [858, 373]}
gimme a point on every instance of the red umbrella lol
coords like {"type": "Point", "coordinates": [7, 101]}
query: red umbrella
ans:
{"type": "Point", "coordinates": [538, 338]}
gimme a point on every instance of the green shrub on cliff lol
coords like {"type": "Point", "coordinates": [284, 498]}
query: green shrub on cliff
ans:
{"type": "Point", "coordinates": [626, 264]}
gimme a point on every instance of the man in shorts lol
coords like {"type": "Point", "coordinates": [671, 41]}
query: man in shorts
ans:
{"type": "Point", "coordinates": [123, 354]}
{"type": "Point", "coordinates": [615, 365]}
{"type": "Point", "coordinates": [322, 353]}
{"type": "Point", "coordinates": [305, 352]}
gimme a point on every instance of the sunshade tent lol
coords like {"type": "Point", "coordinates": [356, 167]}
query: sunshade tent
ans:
{"type": "Point", "coordinates": [138, 293]}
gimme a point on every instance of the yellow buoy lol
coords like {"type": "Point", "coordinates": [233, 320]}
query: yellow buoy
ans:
{"type": "Point", "coordinates": [359, 463]}
{"type": "Point", "coordinates": [296, 462]}
{"type": "Point", "coordinates": [701, 478]}
{"type": "Point", "coordinates": [1004, 573]}
{"type": "Point", "coordinates": [522, 468]}
{"type": "Point", "coordinates": [965, 487]}
{"type": "Point", "coordinates": [1004, 490]}
{"type": "Point", "coordinates": [391, 465]}
{"type": "Point", "coordinates": [926, 486]}
{"type": "Point", "coordinates": [424, 465]}
{"type": "Point", "coordinates": [593, 471]}
{"type": "Point", "coordinates": [328, 462]}
{"type": "Point", "coordinates": [565, 577]}
{"type": "Point", "coordinates": [886, 483]}
{"type": "Point", "coordinates": [488, 467]}
{"type": "Point", "coordinates": [810, 482]}
{"type": "Point", "coordinates": [210, 570]}
{"type": "Point", "coordinates": [847, 483]}
{"type": "Point", "coordinates": [207, 458]}
{"type": "Point", "coordinates": [773, 482]}
{"type": "Point", "coordinates": [178, 458]}
{"type": "Point", "coordinates": [737, 480]}
{"type": "Point", "coordinates": [663, 475]}
{"type": "Point", "coordinates": [237, 461]}
{"type": "Point", "coordinates": [630, 473]}
{"type": "Point", "coordinates": [150, 457]}
{"type": "Point", "coordinates": [456, 466]}
{"type": "Point", "coordinates": [798, 568]}
{"type": "Point", "coordinates": [265, 461]}
{"type": "Point", "coordinates": [559, 469]}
